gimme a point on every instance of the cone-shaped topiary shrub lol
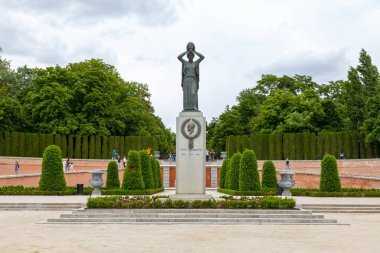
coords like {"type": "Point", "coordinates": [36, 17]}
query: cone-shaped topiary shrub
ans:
{"type": "Point", "coordinates": [154, 171]}
{"type": "Point", "coordinates": [249, 179]}
{"type": "Point", "coordinates": [233, 176]}
{"type": "Point", "coordinates": [269, 180]}
{"type": "Point", "coordinates": [223, 173]}
{"type": "Point", "coordinates": [132, 179]}
{"type": "Point", "coordinates": [330, 181]}
{"type": "Point", "coordinates": [159, 179]}
{"type": "Point", "coordinates": [52, 176]}
{"type": "Point", "coordinates": [146, 169]}
{"type": "Point", "coordinates": [112, 176]}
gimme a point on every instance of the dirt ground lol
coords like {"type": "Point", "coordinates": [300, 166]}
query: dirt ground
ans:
{"type": "Point", "coordinates": [21, 231]}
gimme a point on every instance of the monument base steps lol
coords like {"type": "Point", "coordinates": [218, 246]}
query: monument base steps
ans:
{"type": "Point", "coordinates": [194, 216]}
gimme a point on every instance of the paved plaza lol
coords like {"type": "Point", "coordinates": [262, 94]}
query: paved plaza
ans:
{"type": "Point", "coordinates": [25, 231]}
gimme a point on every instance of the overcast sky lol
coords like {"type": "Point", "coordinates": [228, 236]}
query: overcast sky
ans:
{"type": "Point", "coordinates": [241, 40]}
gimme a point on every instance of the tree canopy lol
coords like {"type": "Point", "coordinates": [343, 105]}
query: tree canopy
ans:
{"type": "Point", "coordinates": [84, 98]}
{"type": "Point", "coordinates": [285, 104]}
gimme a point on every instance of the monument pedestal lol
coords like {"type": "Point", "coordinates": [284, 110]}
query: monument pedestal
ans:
{"type": "Point", "coordinates": [190, 156]}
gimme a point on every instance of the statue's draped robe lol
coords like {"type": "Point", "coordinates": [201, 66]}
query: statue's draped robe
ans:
{"type": "Point", "coordinates": [190, 85]}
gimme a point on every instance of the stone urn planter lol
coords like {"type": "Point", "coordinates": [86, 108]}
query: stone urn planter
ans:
{"type": "Point", "coordinates": [96, 181]}
{"type": "Point", "coordinates": [223, 155]}
{"type": "Point", "coordinates": [286, 182]}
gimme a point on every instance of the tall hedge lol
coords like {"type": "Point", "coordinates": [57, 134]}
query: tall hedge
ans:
{"type": "Point", "coordinates": [21, 144]}
{"type": "Point", "coordinates": [28, 145]}
{"type": "Point", "coordinates": [52, 176]}
{"type": "Point", "coordinates": [132, 178]}
{"type": "Point", "coordinates": [146, 169]}
{"type": "Point", "coordinates": [223, 173]}
{"type": "Point", "coordinates": [98, 147]}
{"type": "Point", "coordinates": [2, 144]}
{"type": "Point", "coordinates": [85, 147]}
{"type": "Point", "coordinates": [14, 144]}
{"type": "Point", "coordinates": [159, 178]}
{"type": "Point", "coordinates": [249, 179]}
{"type": "Point", "coordinates": [105, 153]}
{"type": "Point", "coordinates": [112, 181]}
{"type": "Point", "coordinates": [64, 145]}
{"type": "Point", "coordinates": [78, 147]}
{"type": "Point", "coordinates": [154, 172]}
{"type": "Point", "coordinates": [91, 148]}
{"type": "Point", "coordinates": [330, 181]}
{"type": "Point", "coordinates": [70, 147]}
{"type": "Point", "coordinates": [269, 179]}
{"type": "Point", "coordinates": [234, 172]}
{"type": "Point", "coordinates": [7, 143]}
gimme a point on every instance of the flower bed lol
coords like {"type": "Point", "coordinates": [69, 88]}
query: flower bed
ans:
{"type": "Point", "coordinates": [228, 202]}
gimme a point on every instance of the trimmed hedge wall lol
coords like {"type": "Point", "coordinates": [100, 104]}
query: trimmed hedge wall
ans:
{"type": "Point", "coordinates": [303, 146]}
{"type": "Point", "coordinates": [93, 147]}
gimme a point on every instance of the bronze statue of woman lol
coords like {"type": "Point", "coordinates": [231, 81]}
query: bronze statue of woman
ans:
{"type": "Point", "coordinates": [190, 77]}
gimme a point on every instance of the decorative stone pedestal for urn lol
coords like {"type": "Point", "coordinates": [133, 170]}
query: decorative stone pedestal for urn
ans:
{"type": "Point", "coordinates": [96, 181]}
{"type": "Point", "coordinates": [286, 182]}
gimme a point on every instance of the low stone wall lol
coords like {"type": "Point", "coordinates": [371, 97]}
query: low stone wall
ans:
{"type": "Point", "coordinates": [363, 173]}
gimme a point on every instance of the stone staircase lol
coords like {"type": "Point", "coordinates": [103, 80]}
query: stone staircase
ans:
{"type": "Point", "coordinates": [194, 216]}
{"type": "Point", "coordinates": [342, 208]}
{"type": "Point", "coordinates": [39, 206]}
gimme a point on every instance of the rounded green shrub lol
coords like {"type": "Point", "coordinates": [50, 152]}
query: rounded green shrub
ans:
{"type": "Point", "coordinates": [249, 179]}
{"type": "Point", "coordinates": [330, 181]}
{"type": "Point", "coordinates": [132, 178]}
{"type": "Point", "coordinates": [112, 176]}
{"type": "Point", "coordinates": [158, 170]}
{"type": "Point", "coordinates": [233, 177]}
{"type": "Point", "coordinates": [223, 173]}
{"type": "Point", "coordinates": [52, 176]}
{"type": "Point", "coordinates": [154, 171]}
{"type": "Point", "coordinates": [269, 179]}
{"type": "Point", "coordinates": [146, 169]}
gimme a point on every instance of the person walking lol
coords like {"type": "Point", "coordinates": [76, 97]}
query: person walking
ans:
{"type": "Point", "coordinates": [67, 165]}
{"type": "Point", "coordinates": [118, 161]}
{"type": "Point", "coordinates": [114, 154]}
{"type": "Point", "coordinates": [17, 167]}
{"type": "Point", "coordinates": [124, 162]}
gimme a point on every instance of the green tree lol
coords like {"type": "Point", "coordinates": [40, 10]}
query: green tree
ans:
{"type": "Point", "coordinates": [154, 172]}
{"type": "Point", "coordinates": [371, 126]}
{"type": "Point", "coordinates": [369, 75]}
{"type": "Point", "coordinates": [159, 178]}
{"type": "Point", "coordinates": [330, 181]}
{"type": "Point", "coordinates": [223, 174]}
{"type": "Point", "coordinates": [52, 176]}
{"type": "Point", "coordinates": [248, 175]}
{"type": "Point", "coordinates": [233, 175]}
{"type": "Point", "coordinates": [112, 181]}
{"type": "Point", "coordinates": [132, 179]}
{"type": "Point", "coordinates": [228, 124]}
{"type": "Point", "coordinates": [269, 179]}
{"type": "Point", "coordinates": [354, 99]}
{"type": "Point", "coordinates": [146, 169]}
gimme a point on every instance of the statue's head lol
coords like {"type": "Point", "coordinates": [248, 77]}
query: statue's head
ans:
{"type": "Point", "coordinates": [190, 46]}
{"type": "Point", "coordinates": [190, 56]}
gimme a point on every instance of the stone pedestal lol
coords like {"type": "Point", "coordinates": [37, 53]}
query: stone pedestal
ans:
{"type": "Point", "coordinates": [190, 154]}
